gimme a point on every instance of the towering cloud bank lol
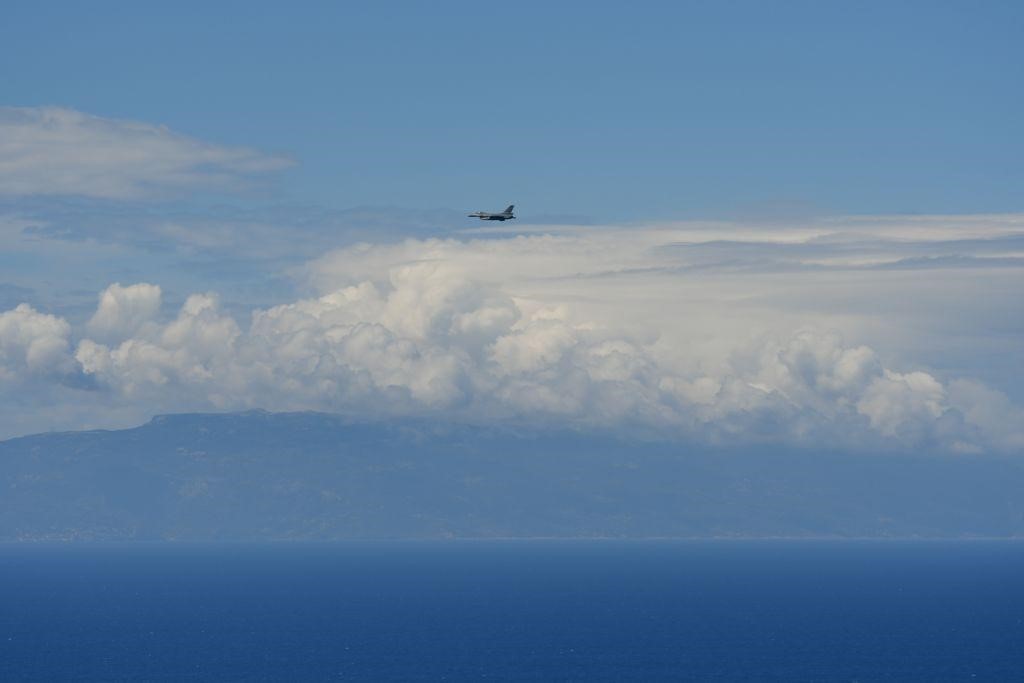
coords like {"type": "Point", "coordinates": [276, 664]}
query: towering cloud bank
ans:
{"type": "Point", "coordinates": [698, 332]}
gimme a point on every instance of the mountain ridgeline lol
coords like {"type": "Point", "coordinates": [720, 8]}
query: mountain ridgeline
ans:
{"type": "Point", "coordinates": [308, 476]}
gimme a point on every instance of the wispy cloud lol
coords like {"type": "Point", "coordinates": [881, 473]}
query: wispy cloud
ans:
{"type": "Point", "coordinates": [56, 151]}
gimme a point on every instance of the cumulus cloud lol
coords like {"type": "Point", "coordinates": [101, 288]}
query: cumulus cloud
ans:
{"type": "Point", "coordinates": [895, 402]}
{"type": "Point", "coordinates": [56, 151]}
{"type": "Point", "coordinates": [989, 412]}
{"type": "Point", "coordinates": [123, 311]}
{"type": "Point", "coordinates": [401, 348]}
{"type": "Point", "coordinates": [33, 344]}
{"type": "Point", "coordinates": [627, 330]}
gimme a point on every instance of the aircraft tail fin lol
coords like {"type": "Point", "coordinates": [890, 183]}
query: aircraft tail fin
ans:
{"type": "Point", "coordinates": [510, 207]}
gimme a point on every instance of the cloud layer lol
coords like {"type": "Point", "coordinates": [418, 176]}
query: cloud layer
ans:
{"type": "Point", "coordinates": [55, 151]}
{"type": "Point", "coordinates": [718, 333]}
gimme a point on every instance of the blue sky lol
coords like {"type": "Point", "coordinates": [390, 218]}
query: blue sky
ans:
{"type": "Point", "coordinates": [613, 111]}
{"type": "Point", "coordinates": [738, 223]}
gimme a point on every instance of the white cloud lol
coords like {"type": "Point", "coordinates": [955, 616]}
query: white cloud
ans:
{"type": "Point", "coordinates": [620, 329]}
{"type": "Point", "coordinates": [123, 311]}
{"type": "Point", "coordinates": [55, 151]}
{"type": "Point", "coordinates": [895, 403]}
{"type": "Point", "coordinates": [990, 412]}
{"type": "Point", "coordinates": [33, 344]}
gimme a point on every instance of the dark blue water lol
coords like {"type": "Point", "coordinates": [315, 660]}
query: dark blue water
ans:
{"type": "Point", "coordinates": [515, 611]}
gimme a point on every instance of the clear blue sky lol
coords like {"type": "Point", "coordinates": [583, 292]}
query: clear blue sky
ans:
{"type": "Point", "coordinates": [624, 111]}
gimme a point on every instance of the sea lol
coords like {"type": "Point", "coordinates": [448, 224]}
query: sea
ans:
{"type": "Point", "coordinates": [546, 610]}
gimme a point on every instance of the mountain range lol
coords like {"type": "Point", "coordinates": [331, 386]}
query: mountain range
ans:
{"type": "Point", "coordinates": [258, 476]}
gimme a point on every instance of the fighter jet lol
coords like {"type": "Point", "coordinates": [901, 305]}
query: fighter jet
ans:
{"type": "Point", "coordinates": [503, 216]}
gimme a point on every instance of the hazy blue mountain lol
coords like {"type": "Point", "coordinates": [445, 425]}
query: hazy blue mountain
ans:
{"type": "Point", "coordinates": [250, 476]}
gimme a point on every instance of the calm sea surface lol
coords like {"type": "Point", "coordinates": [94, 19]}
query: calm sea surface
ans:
{"type": "Point", "coordinates": [514, 611]}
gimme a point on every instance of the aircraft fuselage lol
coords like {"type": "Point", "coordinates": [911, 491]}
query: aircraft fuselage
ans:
{"type": "Point", "coordinates": [502, 216]}
{"type": "Point", "coordinates": [491, 217]}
